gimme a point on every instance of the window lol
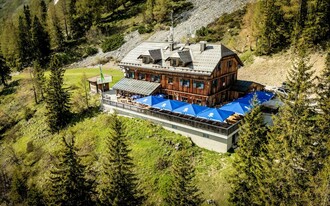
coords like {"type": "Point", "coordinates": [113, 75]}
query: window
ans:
{"type": "Point", "coordinates": [176, 62]}
{"type": "Point", "coordinates": [146, 60]}
{"type": "Point", "coordinates": [198, 84]}
{"type": "Point", "coordinates": [170, 80]}
{"type": "Point", "coordinates": [142, 76]}
{"type": "Point", "coordinates": [184, 99]}
{"type": "Point", "coordinates": [155, 78]}
{"type": "Point", "coordinates": [185, 82]}
{"type": "Point", "coordinates": [130, 75]}
{"type": "Point", "coordinates": [229, 63]}
{"type": "Point", "coordinates": [215, 83]}
{"type": "Point", "coordinates": [223, 80]}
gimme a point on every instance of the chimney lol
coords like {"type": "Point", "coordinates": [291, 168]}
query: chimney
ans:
{"type": "Point", "coordinates": [202, 45]}
{"type": "Point", "coordinates": [171, 46]}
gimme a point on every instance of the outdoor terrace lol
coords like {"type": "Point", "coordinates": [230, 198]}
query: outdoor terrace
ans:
{"type": "Point", "coordinates": [225, 129]}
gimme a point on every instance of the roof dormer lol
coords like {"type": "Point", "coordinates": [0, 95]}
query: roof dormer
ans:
{"type": "Point", "coordinates": [151, 56]}
{"type": "Point", "coordinates": [180, 58]}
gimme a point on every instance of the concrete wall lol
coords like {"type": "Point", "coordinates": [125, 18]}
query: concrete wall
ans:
{"type": "Point", "coordinates": [205, 139]}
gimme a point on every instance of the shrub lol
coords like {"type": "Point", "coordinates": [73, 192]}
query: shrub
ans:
{"type": "Point", "coordinates": [113, 42]}
{"type": "Point", "coordinates": [89, 51]}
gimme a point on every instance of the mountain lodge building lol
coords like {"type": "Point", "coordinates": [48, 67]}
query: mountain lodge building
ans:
{"type": "Point", "coordinates": [199, 73]}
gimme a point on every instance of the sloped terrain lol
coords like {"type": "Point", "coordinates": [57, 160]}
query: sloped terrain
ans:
{"type": "Point", "coordinates": [203, 13]}
{"type": "Point", "coordinates": [272, 70]}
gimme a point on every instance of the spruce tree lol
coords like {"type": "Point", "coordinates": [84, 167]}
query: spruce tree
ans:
{"type": "Point", "coordinates": [293, 151]}
{"type": "Point", "coordinates": [4, 71]}
{"type": "Point", "coordinates": [317, 25]}
{"type": "Point", "coordinates": [183, 191]}
{"type": "Point", "coordinates": [119, 187]}
{"type": "Point", "coordinates": [24, 44]}
{"type": "Point", "coordinates": [322, 184]}
{"type": "Point", "coordinates": [69, 185]}
{"type": "Point", "coordinates": [248, 167]}
{"type": "Point", "coordinates": [272, 35]}
{"type": "Point", "coordinates": [40, 42]}
{"type": "Point", "coordinates": [39, 79]}
{"type": "Point", "coordinates": [58, 98]}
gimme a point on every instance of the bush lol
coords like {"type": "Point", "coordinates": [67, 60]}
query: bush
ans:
{"type": "Point", "coordinates": [113, 43]}
{"type": "Point", "coordinates": [89, 51]}
{"type": "Point", "coordinates": [142, 29]}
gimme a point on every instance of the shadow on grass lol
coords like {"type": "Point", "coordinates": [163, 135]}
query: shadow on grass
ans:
{"type": "Point", "coordinates": [87, 113]}
{"type": "Point", "coordinates": [10, 89]}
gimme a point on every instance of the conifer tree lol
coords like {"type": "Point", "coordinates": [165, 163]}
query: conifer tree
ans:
{"type": "Point", "coordinates": [43, 12]}
{"type": "Point", "coordinates": [272, 37]}
{"type": "Point", "coordinates": [39, 78]}
{"type": "Point", "coordinates": [248, 170]}
{"type": "Point", "coordinates": [317, 23]}
{"type": "Point", "coordinates": [183, 192]}
{"type": "Point", "coordinates": [57, 37]}
{"type": "Point", "coordinates": [149, 15]}
{"type": "Point", "coordinates": [40, 42]}
{"type": "Point", "coordinates": [323, 90]}
{"type": "Point", "coordinates": [69, 185]}
{"type": "Point", "coordinates": [120, 186]}
{"type": "Point", "coordinates": [4, 71]}
{"type": "Point", "coordinates": [24, 43]}
{"type": "Point", "coordinates": [9, 44]}
{"type": "Point", "coordinates": [58, 97]}
{"type": "Point", "coordinates": [293, 152]}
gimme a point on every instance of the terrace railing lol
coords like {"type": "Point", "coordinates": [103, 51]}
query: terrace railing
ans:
{"type": "Point", "coordinates": [223, 128]}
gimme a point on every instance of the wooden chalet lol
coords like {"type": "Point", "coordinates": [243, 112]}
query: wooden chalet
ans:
{"type": "Point", "coordinates": [199, 73]}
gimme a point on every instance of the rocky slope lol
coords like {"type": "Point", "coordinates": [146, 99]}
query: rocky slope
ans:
{"type": "Point", "coordinates": [203, 13]}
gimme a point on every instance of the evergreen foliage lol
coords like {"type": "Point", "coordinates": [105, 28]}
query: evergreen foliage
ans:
{"type": "Point", "coordinates": [120, 186]}
{"type": "Point", "coordinates": [294, 154]}
{"type": "Point", "coordinates": [58, 98]}
{"type": "Point", "coordinates": [248, 163]}
{"type": "Point", "coordinates": [4, 71]}
{"type": "Point", "coordinates": [24, 43]}
{"type": "Point", "coordinates": [322, 181]}
{"type": "Point", "coordinates": [183, 191]}
{"type": "Point", "coordinates": [272, 35]}
{"type": "Point", "coordinates": [39, 79]}
{"type": "Point", "coordinates": [69, 185]}
{"type": "Point", "coordinates": [291, 22]}
{"type": "Point", "coordinates": [40, 42]}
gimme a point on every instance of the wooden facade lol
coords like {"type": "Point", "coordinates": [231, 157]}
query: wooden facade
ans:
{"type": "Point", "coordinates": [193, 88]}
{"type": "Point", "coordinates": [210, 86]}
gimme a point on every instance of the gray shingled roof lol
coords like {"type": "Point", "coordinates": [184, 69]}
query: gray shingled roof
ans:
{"type": "Point", "coordinates": [201, 62]}
{"type": "Point", "coordinates": [136, 86]}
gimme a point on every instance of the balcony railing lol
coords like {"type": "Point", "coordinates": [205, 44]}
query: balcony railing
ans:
{"type": "Point", "coordinates": [223, 128]}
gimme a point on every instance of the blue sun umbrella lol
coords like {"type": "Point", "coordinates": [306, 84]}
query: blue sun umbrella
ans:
{"type": "Point", "coordinates": [261, 97]}
{"type": "Point", "coordinates": [215, 114]}
{"type": "Point", "coordinates": [169, 105]}
{"type": "Point", "coordinates": [150, 100]}
{"type": "Point", "coordinates": [237, 107]}
{"type": "Point", "coordinates": [190, 109]}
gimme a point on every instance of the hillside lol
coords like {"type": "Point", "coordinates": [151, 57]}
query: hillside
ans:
{"type": "Point", "coordinates": [27, 146]}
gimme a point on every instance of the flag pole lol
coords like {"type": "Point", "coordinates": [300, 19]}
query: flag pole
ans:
{"type": "Point", "coordinates": [102, 78]}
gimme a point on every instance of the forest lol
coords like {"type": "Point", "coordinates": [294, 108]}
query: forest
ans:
{"type": "Point", "coordinates": [57, 148]}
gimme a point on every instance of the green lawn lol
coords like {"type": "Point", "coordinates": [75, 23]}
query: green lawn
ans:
{"type": "Point", "coordinates": [73, 76]}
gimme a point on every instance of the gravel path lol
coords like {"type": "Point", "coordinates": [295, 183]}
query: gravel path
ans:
{"type": "Point", "coordinates": [203, 13]}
